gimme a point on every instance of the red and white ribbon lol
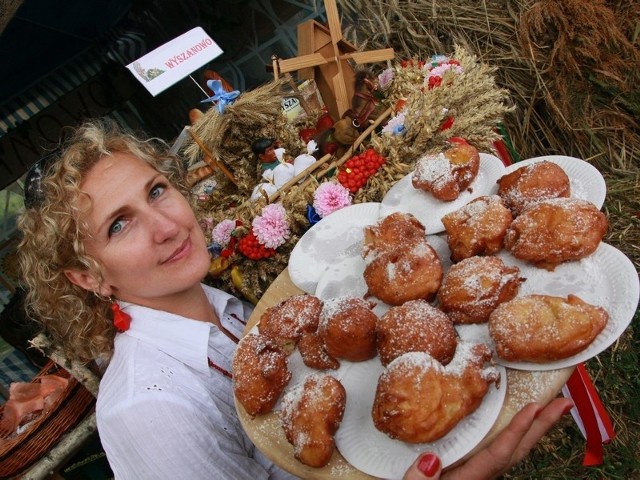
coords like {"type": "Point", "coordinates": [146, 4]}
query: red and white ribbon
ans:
{"type": "Point", "coordinates": [589, 414]}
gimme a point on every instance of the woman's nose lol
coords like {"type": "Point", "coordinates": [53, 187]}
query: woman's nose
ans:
{"type": "Point", "coordinates": [165, 227]}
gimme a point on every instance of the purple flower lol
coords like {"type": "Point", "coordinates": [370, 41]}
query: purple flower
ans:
{"type": "Point", "coordinates": [330, 197]}
{"type": "Point", "coordinates": [271, 227]}
{"type": "Point", "coordinates": [221, 234]}
{"type": "Point", "coordinates": [385, 78]}
{"type": "Point", "coordinates": [395, 126]}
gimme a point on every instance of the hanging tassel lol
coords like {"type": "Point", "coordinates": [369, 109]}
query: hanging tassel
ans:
{"type": "Point", "coordinates": [121, 320]}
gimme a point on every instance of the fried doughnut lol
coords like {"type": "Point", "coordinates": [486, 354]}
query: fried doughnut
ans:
{"type": "Point", "coordinates": [473, 288]}
{"type": "Point", "coordinates": [477, 228]}
{"type": "Point", "coordinates": [288, 320]}
{"type": "Point", "coordinates": [449, 173]}
{"type": "Point", "coordinates": [348, 328]}
{"type": "Point", "coordinates": [314, 354]}
{"type": "Point", "coordinates": [311, 414]}
{"type": "Point", "coordinates": [416, 326]}
{"type": "Point", "coordinates": [260, 373]}
{"type": "Point", "coordinates": [543, 328]}
{"type": "Point", "coordinates": [532, 183]}
{"type": "Point", "coordinates": [404, 274]}
{"type": "Point", "coordinates": [400, 263]}
{"type": "Point", "coordinates": [418, 400]}
{"type": "Point", "coordinates": [553, 231]}
{"type": "Point", "coordinates": [393, 231]}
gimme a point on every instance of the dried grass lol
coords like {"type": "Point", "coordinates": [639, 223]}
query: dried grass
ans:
{"type": "Point", "coordinates": [534, 46]}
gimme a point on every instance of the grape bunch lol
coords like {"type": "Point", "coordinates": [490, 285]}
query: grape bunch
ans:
{"type": "Point", "coordinates": [251, 248]}
{"type": "Point", "coordinates": [359, 168]}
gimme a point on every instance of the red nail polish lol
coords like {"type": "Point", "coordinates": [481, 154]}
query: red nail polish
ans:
{"type": "Point", "coordinates": [429, 464]}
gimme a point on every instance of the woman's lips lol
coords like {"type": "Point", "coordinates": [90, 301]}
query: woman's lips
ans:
{"type": "Point", "coordinates": [181, 252]}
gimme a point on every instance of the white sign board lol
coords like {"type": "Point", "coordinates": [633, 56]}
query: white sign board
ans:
{"type": "Point", "coordinates": [171, 62]}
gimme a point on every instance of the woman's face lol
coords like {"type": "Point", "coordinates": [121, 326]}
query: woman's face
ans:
{"type": "Point", "coordinates": [144, 233]}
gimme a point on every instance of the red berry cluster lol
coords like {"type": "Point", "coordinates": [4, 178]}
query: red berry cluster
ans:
{"type": "Point", "coordinates": [251, 248]}
{"type": "Point", "coordinates": [359, 168]}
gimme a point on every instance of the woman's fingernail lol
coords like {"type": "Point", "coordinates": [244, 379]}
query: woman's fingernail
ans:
{"type": "Point", "coordinates": [429, 464]}
{"type": "Point", "coordinates": [567, 409]}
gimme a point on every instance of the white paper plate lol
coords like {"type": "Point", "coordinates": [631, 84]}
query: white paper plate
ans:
{"type": "Point", "coordinates": [403, 197]}
{"type": "Point", "coordinates": [373, 452]}
{"type": "Point", "coordinates": [586, 181]}
{"type": "Point", "coordinates": [607, 279]}
{"type": "Point", "coordinates": [321, 244]}
{"type": "Point", "coordinates": [345, 275]}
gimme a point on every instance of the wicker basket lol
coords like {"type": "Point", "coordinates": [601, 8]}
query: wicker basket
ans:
{"type": "Point", "coordinates": [20, 451]}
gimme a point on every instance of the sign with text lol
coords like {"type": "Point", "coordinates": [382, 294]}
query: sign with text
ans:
{"type": "Point", "coordinates": [171, 62]}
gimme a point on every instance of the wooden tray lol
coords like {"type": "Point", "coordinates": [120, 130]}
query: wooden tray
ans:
{"type": "Point", "coordinates": [267, 434]}
{"type": "Point", "coordinates": [20, 451]}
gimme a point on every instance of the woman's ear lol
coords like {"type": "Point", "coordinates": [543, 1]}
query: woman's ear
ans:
{"type": "Point", "coordinates": [85, 279]}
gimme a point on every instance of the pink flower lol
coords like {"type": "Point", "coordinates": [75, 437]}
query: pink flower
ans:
{"type": "Point", "coordinates": [221, 234]}
{"type": "Point", "coordinates": [271, 227]}
{"type": "Point", "coordinates": [443, 68]}
{"type": "Point", "coordinates": [330, 197]}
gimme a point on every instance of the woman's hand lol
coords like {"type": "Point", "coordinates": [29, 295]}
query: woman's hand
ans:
{"type": "Point", "coordinates": [526, 428]}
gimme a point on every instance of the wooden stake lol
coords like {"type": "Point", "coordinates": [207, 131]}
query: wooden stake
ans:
{"type": "Point", "coordinates": [298, 95]}
{"type": "Point", "coordinates": [353, 147]}
{"type": "Point", "coordinates": [276, 67]}
{"type": "Point", "coordinates": [314, 166]}
{"type": "Point", "coordinates": [206, 95]}
{"type": "Point", "coordinates": [211, 161]}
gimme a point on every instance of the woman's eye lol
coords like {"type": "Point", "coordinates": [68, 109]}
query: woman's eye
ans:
{"type": "Point", "coordinates": [116, 227]}
{"type": "Point", "coordinates": [157, 190]}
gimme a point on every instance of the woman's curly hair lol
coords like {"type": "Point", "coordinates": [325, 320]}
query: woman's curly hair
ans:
{"type": "Point", "coordinates": [53, 230]}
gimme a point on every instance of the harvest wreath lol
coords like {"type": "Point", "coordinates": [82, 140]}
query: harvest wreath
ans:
{"type": "Point", "coordinates": [420, 106]}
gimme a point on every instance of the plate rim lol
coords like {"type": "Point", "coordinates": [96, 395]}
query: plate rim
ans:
{"type": "Point", "coordinates": [301, 276]}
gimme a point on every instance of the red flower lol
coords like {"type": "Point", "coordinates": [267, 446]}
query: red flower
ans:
{"type": "Point", "coordinates": [434, 82]}
{"type": "Point", "coordinates": [447, 124]}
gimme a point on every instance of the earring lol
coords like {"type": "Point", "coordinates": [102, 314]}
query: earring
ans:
{"type": "Point", "coordinates": [121, 320]}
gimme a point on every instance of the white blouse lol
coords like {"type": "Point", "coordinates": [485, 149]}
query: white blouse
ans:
{"type": "Point", "coordinates": [163, 412]}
